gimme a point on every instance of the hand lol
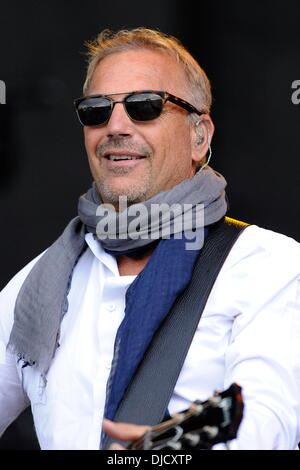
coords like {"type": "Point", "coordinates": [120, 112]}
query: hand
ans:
{"type": "Point", "coordinates": [123, 432]}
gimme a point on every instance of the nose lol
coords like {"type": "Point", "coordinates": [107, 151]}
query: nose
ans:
{"type": "Point", "coordinates": [119, 122]}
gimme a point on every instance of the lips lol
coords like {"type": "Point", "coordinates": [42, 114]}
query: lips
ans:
{"type": "Point", "coordinates": [117, 158]}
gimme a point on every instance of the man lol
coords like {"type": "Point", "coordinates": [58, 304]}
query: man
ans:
{"type": "Point", "coordinates": [76, 322]}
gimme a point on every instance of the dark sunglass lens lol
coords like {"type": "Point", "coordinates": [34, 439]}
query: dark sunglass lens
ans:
{"type": "Point", "coordinates": [144, 106]}
{"type": "Point", "coordinates": [94, 111]}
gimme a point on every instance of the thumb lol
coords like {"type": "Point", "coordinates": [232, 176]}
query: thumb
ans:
{"type": "Point", "coordinates": [124, 431]}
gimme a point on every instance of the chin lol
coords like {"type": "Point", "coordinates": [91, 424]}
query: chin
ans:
{"type": "Point", "coordinates": [112, 195]}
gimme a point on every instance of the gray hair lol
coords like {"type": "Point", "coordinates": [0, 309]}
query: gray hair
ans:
{"type": "Point", "coordinates": [109, 42]}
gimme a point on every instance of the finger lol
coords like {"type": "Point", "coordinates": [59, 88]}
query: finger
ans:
{"type": "Point", "coordinates": [124, 431]}
{"type": "Point", "coordinates": [116, 446]}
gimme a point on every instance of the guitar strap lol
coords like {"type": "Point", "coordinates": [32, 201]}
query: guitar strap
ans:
{"type": "Point", "coordinates": [147, 396]}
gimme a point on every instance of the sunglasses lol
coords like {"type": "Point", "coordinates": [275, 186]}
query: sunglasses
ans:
{"type": "Point", "coordinates": [140, 106]}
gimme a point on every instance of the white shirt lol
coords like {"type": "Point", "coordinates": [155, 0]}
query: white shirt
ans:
{"type": "Point", "coordinates": [249, 333]}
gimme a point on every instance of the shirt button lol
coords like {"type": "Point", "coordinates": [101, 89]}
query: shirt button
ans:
{"type": "Point", "coordinates": [111, 307]}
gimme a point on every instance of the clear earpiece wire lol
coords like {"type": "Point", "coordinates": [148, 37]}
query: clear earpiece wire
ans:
{"type": "Point", "coordinates": [209, 155]}
{"type": "Point", "coordinates": [209, 146]}
{"type": "Point", "coordinates": [208, 159]}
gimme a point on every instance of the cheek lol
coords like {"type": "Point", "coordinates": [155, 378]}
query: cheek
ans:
{"type": "Point", "coordinates": [90, 142]}
{"type": "Point", "coordinates": [91, 138]}
{"type": "Point", "coordinates": [178, 145]}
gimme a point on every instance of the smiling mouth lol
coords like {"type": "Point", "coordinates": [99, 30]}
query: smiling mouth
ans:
{"type": "Point", "coordinates": [116, 158]}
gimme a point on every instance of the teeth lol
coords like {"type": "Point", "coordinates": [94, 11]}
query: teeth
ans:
{"type": "Point", "coordinates": [122, 157]}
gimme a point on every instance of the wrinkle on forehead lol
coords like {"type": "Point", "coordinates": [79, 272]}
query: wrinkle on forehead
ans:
{"type": "Point", "coordinates": [139, 70]}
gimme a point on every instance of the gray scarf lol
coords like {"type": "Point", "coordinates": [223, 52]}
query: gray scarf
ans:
{"type": "Point", "coordinates": [162, 215]}
{"type": "Point", "coordinates": [42, 300]}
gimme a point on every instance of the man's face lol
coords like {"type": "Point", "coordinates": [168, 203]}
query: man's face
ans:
{"type": "Point", "coordinates": [166, 142]}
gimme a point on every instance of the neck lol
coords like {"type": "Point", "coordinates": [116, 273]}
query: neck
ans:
{"type": "Point", "coordinates": [132, 267]}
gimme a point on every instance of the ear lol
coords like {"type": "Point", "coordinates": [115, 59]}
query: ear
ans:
{"type": "Point", "coordinates": [199, 145]}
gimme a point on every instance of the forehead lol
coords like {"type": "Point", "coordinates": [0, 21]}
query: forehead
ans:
{"type": "Point", "coordinates": [141, 69]}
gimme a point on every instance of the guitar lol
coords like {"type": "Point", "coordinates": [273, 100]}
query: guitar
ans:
{"type": "Point", "coordinates": [201, 426]}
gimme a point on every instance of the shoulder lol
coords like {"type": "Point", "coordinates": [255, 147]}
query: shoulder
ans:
{"type": "Point", "coordinates": [265, 249]}
{"type": "Point", "coordinates": [261, 266]}
{"type": "Point", "coordinates": [260, 278]}
{"type": "Point", "coordinates": [72, 232]}
{"type": "Point", "coordinates": [8, 299]}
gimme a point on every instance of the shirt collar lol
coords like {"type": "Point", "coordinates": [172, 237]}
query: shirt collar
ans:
{"type": "Point", "coordinates": [96, 247]}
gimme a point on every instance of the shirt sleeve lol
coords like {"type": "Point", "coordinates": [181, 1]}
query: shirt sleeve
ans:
{"type": "Point", "coordinates": [13, 399]}
{"type": "Point", "coordinates": [264, 356]}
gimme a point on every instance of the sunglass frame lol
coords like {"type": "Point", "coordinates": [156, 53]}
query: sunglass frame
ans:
{"type": "Point", "coordinates": [165, 95]}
